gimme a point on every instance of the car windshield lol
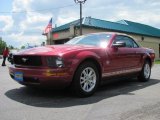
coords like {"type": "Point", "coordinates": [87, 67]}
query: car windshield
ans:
{"type": "Point", "coordinates": [91, 39]}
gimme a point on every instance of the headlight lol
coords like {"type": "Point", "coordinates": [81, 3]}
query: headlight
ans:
{"type": "Point", "coordinates": [59, 62]}
{"type": "Point", "coordinates": [53, 61]}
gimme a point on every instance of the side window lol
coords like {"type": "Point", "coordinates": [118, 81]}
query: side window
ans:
{"type": "Point", "coordinates": [118, 38]}
{"type": "Point", "coordinates": [135, 44]}
{"type": "Point", "coordinates": [121, 38]}
{"type": "Point", "coordinates": [130, 43]}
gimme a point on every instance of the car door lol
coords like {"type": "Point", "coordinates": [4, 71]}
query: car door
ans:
{"type": "Point", "coordinates": [122, 58]}
{"type": "Point", "coordinates": [115, 58]}
{"type": "Point", "coordinates": [133, 56]}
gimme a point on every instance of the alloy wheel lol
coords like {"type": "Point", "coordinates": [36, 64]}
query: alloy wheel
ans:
{"type": "Point", "coordinates": [88, 79]}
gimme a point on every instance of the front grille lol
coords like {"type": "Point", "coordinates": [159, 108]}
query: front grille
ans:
{"type": "Point", "coordinates": [27, 60]}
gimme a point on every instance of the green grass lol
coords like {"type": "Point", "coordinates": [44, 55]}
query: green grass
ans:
{"type": "Point", "coordinates": [157, 62]}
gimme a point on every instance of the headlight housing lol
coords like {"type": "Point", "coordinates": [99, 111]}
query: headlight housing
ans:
{"type": "Point", "coordinates": [53, 61]}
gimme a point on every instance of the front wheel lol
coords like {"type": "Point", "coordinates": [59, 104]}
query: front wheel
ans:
{"type": "Point", "coordinates": [145, 73]}
{"type": "Point", "coordinates": [86, 79]}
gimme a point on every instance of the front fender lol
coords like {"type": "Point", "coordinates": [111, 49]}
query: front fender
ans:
{"type": "Point", "coordinates": [81, 57]}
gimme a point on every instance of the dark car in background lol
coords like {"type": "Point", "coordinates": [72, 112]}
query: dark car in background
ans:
{"type": "Point", "coordinates": [82, 62]}
{"type": "Point", "coordinates": [10, 56]}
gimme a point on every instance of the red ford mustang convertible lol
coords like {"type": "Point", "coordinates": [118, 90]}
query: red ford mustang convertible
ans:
{"type": "Point", "coordinates": [83, 62]}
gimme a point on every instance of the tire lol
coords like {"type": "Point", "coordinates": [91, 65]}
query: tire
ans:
{"type": "Point", "coordinates": [145, 73]}
{"type": "Point", "coordinates": [86, 80]}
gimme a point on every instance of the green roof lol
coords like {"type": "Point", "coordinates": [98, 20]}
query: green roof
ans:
{"type": "Point", "coordinates": [121, 26]}
{"type": "Point", "coordinates": [65, 26]}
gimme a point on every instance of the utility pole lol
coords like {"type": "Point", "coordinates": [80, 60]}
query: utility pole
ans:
{"type": "Point", "coordinates": [80, 2]}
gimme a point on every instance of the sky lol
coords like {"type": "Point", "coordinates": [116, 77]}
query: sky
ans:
{"type": "Point", "coordinates": [23, 21]}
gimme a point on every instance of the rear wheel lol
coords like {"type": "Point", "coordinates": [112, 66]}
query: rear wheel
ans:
{"type": "Point", "coordinates": [146, 72]}
{"type": "Point", "coordinates": [86, 79]}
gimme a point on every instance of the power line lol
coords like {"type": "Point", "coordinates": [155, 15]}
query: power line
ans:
{"type": "Point", "coordinates": [40, 10]}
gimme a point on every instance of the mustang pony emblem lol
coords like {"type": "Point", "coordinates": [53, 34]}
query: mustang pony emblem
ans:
{"type": "Point", "coordinates": [24, 59]}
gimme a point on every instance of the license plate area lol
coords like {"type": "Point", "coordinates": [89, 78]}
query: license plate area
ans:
{"type": "Point", "coordinates": [18, 76]}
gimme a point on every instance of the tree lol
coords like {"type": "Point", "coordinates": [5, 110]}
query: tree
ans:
{"type": "Point", "coordinates": [10, 47]}
{"type": "Point", "coordinates": [22, 47]}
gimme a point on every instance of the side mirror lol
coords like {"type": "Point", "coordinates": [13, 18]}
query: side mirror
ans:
{"type": "Point", "coordinates": [119, 44]}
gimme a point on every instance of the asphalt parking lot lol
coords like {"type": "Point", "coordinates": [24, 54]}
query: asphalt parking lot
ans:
{"type": "Point", "coordinates": [120, 100]}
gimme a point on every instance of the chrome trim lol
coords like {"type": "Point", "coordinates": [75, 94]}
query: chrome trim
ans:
{"type": "Point", "coordinates": [121, 72]}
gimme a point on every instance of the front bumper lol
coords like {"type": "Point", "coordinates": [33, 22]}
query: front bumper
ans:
{"type": "Point", "coordinates": [44, 77]}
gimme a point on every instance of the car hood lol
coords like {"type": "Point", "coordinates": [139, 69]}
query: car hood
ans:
{"type": "Point", "coordinates": [53, 49]}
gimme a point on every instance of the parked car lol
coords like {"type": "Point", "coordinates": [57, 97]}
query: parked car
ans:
{"type": "Point", "coordinates": [82, 62]}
